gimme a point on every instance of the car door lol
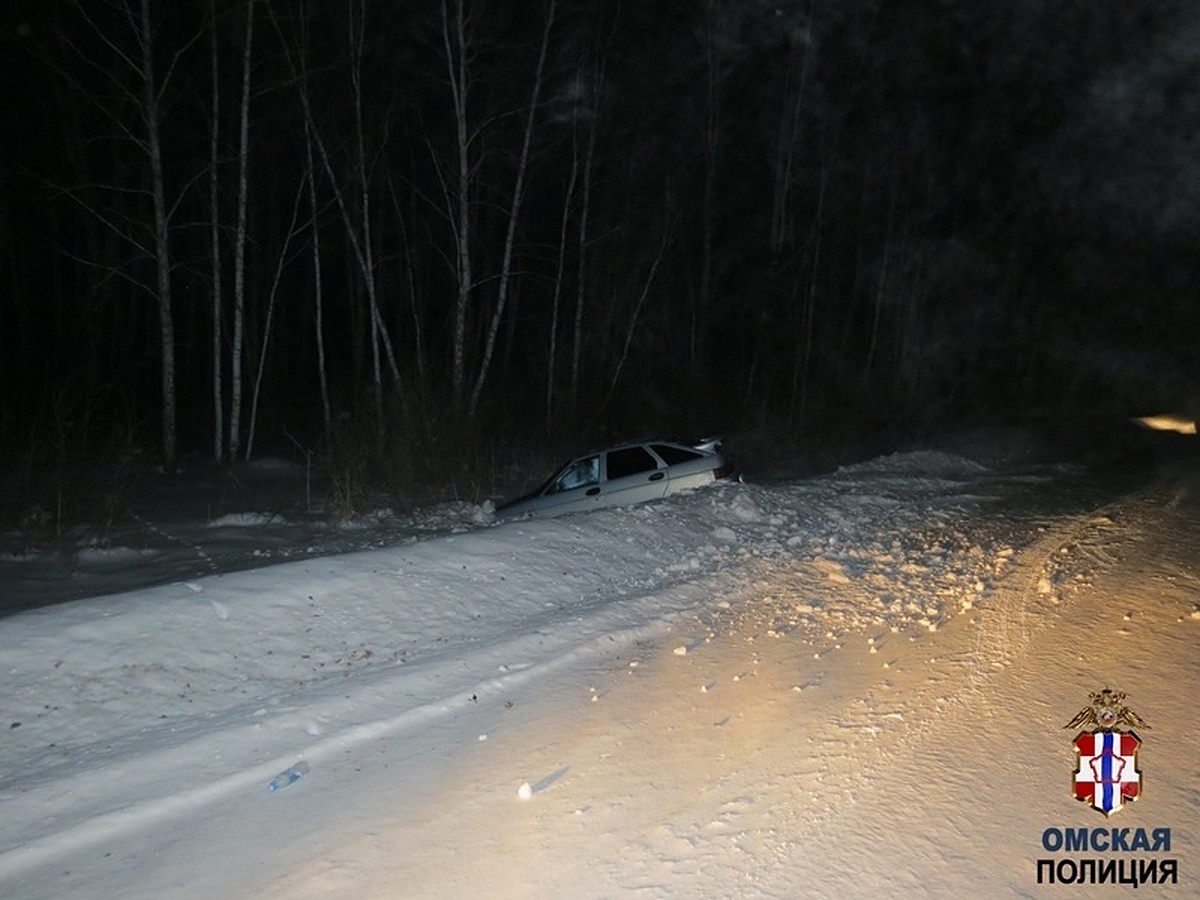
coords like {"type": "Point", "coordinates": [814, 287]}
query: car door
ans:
{"type": "Point", "coordinates": [575, 488]}
{"type": "Point", "coordinates": [686, 468]}
{"type": "Point", "coordinates": [631, 475]}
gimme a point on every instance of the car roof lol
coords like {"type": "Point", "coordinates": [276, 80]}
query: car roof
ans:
{"type": "Point", "coordinates": [638, 442]}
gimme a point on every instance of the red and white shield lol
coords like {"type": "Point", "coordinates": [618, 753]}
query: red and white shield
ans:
{"type": "Point", "coordinates": [1106, 772]}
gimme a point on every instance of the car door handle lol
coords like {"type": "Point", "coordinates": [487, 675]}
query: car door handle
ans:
{"type": "Point", "coordinates": [658, 476]}
{"type": "Point", "coordinates": [593, 491]}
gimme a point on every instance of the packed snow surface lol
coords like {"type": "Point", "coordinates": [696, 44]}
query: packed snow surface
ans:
{"type": "Point", "coordinates": [852, 685]}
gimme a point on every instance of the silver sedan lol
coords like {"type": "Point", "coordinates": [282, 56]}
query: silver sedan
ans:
{"type": "Point", "coordinates": [633, 472]}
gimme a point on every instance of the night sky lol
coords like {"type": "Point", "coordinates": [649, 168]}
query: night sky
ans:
{"type": "Point", "coordinates": [226, 224]}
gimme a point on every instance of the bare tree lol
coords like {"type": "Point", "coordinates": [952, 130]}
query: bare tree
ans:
{"type": "Point", "coordinates": [218, 356]}
{"type": "Point", "coordinates": [454, 39]}
{"type": "Point", "coordinates": [318, 295]}
{"type": "Point", "coordinates": [712, 146]}
{"type": "Point", "coordinates": [379, 333]}
{"type": "Point", "coordinates": [137, 82]}
{"type": "Point", "coordinates": [798, 396]}
{"type": "Point", "coordinates": [152, 111]}
{"type": "Point", "coordinates": [418, 329]}
{"type": "Point", "coordinates": [358, 233]}
{"type": "Point", "coordinates": [239, 258]}
{"type": "Point", "coordinates": [790, 119]}
{"type": "Point", "coordinates": [271, 295]}
{"type": "Point", "coordinates": [514, 213]}
{"type": "Point", "coordinates": [581, 275]}
{"type": "Point", "coordinates": [560, 272]}
{"type": "Point", "coordinates": [631, 327]}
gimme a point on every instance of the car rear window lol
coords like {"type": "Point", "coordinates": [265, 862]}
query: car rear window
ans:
{"type": "Point", "coordinates": [672, 455]}
{"type": "Point", "coordinates": [630, 461]}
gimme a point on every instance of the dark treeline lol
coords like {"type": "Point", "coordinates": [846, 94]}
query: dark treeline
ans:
{"type": "Point", "coordinates": [237, 221]}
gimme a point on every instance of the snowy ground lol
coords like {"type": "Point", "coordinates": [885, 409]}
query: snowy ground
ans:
{"type": "Point", "coordinates": [853, 685]}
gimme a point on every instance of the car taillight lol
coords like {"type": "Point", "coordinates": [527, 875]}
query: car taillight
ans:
{"type": "Point", "coordinates": [722, 472]}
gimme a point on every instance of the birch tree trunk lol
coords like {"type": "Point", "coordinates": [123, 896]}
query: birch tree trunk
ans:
{"type": "Point", "coordinates": [131, 73]}
{"type": "Point", "coordinates": [785, 152]}
{"type": "Point", "coordinates": [552, 354]}
{"type": "Point", "coordinates": [456, 66]}
{"type": "Point", "coordinates": [880, 294]}
{"type": "Point", "coordinates": [239, 261]}
{"type": "Point", "coordinates": [802, 361]}
{"type": "Point", "coordinates": [360, 244]}
{"type": "Point", "coordinates": [218, 357]}
{"type": "Point", "coordinates": [266, 342]}
{"type": "Point", "coordinates": [631, 329]}
{"type": "Point", "coordinates": [410, 277]}
{"type": "Point", "coordinates": [318, 297]}
{"type": "Point", "coordinates": [378, 332]}
{"type": "Point", "coordinates": [584, 215]}
{"type": "Point", "coordinates": [162, 254]}
{"type": "Point", "coordinates": [513, 216]}
{"type": "Point", "coordinates": [712, 125]}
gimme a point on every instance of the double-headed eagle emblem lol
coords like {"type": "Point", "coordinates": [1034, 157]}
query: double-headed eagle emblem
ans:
{"type": "Point", "coordinates": [1106, 773]}
{"type": "Point", "coordinates": [1107, 712]}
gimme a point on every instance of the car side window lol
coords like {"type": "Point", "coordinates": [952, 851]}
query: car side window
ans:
{"type": "Point", "coordinates": [630, 461]}
{"type": "Point", "coordinates": [672, 455]}
{"type": "Point", "coordinates": [578, 474]}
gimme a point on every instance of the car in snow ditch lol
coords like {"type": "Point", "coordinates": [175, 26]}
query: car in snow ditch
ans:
{"type": "Point", "coordinates": [625, 474]}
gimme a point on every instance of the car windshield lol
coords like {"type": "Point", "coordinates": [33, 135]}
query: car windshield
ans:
{"type": "Point", "coordinates": [580, 473]}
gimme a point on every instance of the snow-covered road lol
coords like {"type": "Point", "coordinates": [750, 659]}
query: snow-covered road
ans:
{"type": "Point", "coordinates": [852, 685]}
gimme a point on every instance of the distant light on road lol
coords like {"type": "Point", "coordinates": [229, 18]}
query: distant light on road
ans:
{"type": "Point", "coordinates": [1168, 422]}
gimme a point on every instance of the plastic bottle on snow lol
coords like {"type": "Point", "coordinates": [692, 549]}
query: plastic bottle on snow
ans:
{"type": "Point", "coordinates": [288, 776]}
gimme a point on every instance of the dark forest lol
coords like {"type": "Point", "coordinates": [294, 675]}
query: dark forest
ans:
{"type": "Point", "coordinates": [420, 228]}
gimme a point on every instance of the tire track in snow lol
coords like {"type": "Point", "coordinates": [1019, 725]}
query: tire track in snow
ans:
{"type": "Point", "coordinates": [166, 796]}
{"type": "Point", "coordinates": [982, 747]}
{"type": "Point", "coordinates": [971, 651]}
{"type": "Point", "coordinates": [1045, 577]}
{"type": "Point", "coordinates": [781, 800]}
